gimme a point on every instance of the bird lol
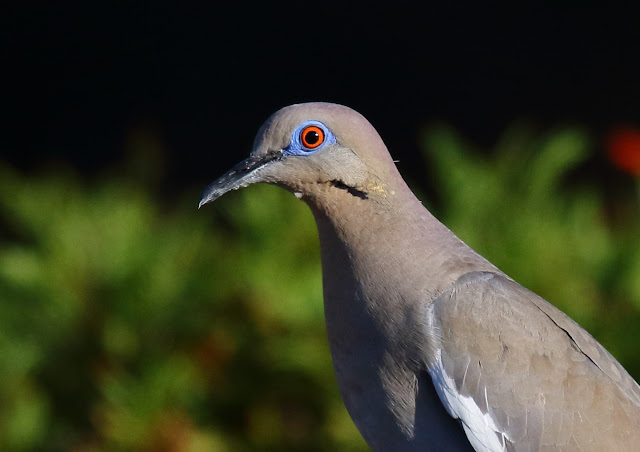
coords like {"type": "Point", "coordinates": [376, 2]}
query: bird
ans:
{"type": "Point", "coordinates": [433, 346]}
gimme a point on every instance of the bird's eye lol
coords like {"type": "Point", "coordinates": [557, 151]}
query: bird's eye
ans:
{"type": "Point", "coordinates": [308, 138]}
{"type": "Point", "coordinates": [311, 137]}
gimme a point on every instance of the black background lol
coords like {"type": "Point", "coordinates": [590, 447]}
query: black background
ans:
{"type": "Point", "coordinates": [81, 77]}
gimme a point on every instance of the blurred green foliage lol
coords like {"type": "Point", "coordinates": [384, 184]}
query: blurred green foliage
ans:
{"type": "Point", "coordinates": [129, 322]}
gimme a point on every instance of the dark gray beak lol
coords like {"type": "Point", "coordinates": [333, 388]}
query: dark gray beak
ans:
{"type": "Point", "coordinates": [241, 175]}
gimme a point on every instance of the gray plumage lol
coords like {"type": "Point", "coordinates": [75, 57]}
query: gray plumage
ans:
{"type": "Point", "coordinates": [433, 347]}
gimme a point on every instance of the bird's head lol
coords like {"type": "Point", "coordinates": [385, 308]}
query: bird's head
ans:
{"type": "Point", "coordinates": [315, 150]}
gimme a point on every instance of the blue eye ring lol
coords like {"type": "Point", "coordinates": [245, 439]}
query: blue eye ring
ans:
{"type": "Point", "coordinates": [309, 137]}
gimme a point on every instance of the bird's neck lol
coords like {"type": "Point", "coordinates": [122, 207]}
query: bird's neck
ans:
{"type": "Point", "coordinates": [384, 258]}
{"type": "Point", "coordinates": [390, 234]}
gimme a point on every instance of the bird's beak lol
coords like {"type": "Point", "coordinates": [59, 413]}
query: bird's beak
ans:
{"type": "Point", "coordinates": [243, 174]}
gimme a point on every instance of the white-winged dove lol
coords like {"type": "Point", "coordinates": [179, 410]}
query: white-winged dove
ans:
{"type": "Point", "coordinates": [428, 338]}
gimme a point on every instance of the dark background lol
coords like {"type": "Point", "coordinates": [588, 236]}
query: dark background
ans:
{"type": "Point", "coordinates": [201, 78]}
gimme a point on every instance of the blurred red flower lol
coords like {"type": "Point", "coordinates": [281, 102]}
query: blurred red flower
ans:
{"type": "Point", "coordinates": [623, 149]}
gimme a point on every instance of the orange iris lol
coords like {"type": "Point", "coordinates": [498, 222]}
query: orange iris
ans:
{"type": "Point", "coordinates": [312, 137]}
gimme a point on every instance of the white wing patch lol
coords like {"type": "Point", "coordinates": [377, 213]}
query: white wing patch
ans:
{"type": "Point", "coordinates": [482, 431]}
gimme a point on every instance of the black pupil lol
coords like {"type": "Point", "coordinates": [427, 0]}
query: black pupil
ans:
{"type": "Point", "coordinates": [312, 137]}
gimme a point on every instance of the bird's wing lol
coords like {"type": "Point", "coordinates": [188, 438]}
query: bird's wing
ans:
{"type": "Point", "coordinates": [521, 375]}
